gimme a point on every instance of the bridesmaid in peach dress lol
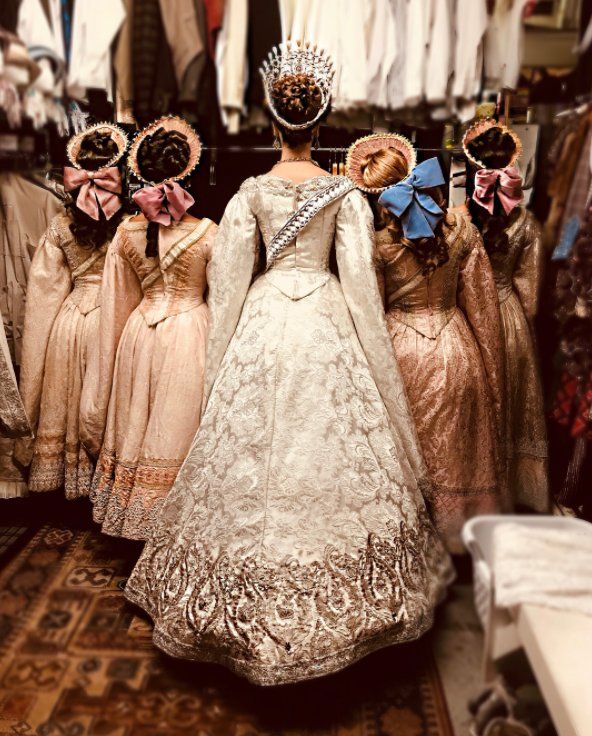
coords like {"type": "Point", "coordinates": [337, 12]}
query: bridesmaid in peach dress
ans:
{"type": "Point", "coordinates": [142, 401]}
{"type": "Point", "coordinates": [443, 319]}
{"type": "Point", "coordinates": [62, 312]}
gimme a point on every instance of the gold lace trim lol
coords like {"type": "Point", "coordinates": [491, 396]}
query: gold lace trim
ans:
{"type": "Point", "coordinates": [288, 621]}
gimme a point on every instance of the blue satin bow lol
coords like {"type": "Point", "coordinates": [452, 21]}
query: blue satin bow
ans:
{"type": "Point", "coordinates": [418, 212]}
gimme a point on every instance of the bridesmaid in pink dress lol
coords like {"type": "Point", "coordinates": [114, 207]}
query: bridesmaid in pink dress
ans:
{"type": "Point", "coordinates": [142, 403]}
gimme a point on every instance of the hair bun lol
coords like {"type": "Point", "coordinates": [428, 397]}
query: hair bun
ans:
{"type": "Point", "coordinates": [297, 98]}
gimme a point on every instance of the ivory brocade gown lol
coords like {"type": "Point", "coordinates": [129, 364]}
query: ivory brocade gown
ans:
{"type": "Point", "coordinates": [142, 399]}
{"type": "Point", "coordinates": [518, 276]}
{"type": "Point", "coordinates": [61, 330]}
{"type": "Point", "coordinates": [446, 335]}
{"type": "Point", "coordinates": [295, 539]}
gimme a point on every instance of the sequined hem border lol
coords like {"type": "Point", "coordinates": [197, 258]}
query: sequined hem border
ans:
{"type": "Point", "coordinates": [299, 671]}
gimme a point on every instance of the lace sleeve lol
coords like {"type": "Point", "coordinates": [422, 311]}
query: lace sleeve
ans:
{"type": "Point", "coordinates": [230, 272]}
{"type": "Point", "coordinates": [354, 242]}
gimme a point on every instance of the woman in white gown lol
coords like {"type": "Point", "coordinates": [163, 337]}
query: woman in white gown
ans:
{"type": "Point", "coordinates": [295, 539]}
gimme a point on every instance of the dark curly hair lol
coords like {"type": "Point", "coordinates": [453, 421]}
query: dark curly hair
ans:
{"type": "Point", "coordinates": [573, 307]}
{"type": "Point", "coordinates": [97, 149]}
{"type": "Point", "coordinates": [162, 155]}
{"type": "Point", "coordinates": [495, 149]}
{"type": "Point", "coordinates": [386, 167]}
{"type": "Point", "coordinates": [298, 99]}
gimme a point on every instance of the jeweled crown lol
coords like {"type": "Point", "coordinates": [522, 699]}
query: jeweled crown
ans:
{"type": "Point", "coordinates": [296, 58]}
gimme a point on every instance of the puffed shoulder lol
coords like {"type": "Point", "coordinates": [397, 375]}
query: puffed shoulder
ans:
{"type": "Point", "coordinates": [58, 229]}
{"type": "Point", "coordinates": [356, 205]}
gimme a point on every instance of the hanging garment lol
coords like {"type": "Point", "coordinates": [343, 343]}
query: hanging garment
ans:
{"type": "Point", "coordinates": [26, 210]}
{"type": "Point", "coordinates": [145, 383]}
{"type": "Point", "coordinates": [13, 420]}
{"type": "Point", "coordinates": [38, 27]}
{"type": "Point", "coordinates": [418, 27]}
{"type": "Point", "coordinates": [563, 175]}
{"type": "Point", "coordinates": [471, 22]}
{"type": "Point", "coordinates": [504, 41]}
{"type": "Point", "coordinates": [397, 73]}
{"type": "Point", "coordinates": [94, 28]}
{"type": "Point", "coordinates": [382, 52]}
{"type": "Point", "coordinates": [153, 74]}
{"type": "Point", "coordinates": [446, 336]}
{"type": "Point", "coordinates": [295, 540]}
{"type": "Point", "coordinates": [440, 53]}
{"type": "Point", "coordinates": [61, 330]}
{"type": "Point", "coordinates": [231, 63]}
{"type": "Point", "coordinates": [214, 17]}
{"type": "Point", "coordinates": [179, 18]}
{"type": "Point", "coordinates": [122, 65]}
{"type": "Point", "coordinates": [518, 276]}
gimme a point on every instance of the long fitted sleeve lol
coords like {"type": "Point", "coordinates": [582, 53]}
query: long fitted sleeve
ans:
{"type": "Point", "coordinates": [49, 284]}
{"type": "Point", "coordinates": [230, 272]}
{"type": "Point", "coordinates": [477, 297]}
{"type": "Point", "coordinates": [530, 268]}
{"type": "Point", "coordinates": [354, 243]}
{"type": "Point", "coordinates": [121, 293]}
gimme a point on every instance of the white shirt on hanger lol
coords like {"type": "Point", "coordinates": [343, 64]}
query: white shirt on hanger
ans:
{"type": "Point", "coordinates": [231, 63]}
{"type": "Point", "coordinates": [440, 52]}
{"type": "Point", "coordinates": [382, 51]}
{"type": "Point", "coordinates": [470, 24]}
{"type": "Point", "coordinates": [94, 27]}
{"type": "Point", "coordinates": [504, 45]}
{"type": "Point", "coordinates": [34, 28]}
{"type": "Point", "coordinates": [417, 24]}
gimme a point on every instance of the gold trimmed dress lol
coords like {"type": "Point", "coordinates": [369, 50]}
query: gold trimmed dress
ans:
{"type": "Point", "coordinates": [13, 420]}
{"type": "Point", "coordinates": [446, 335]}
{"type": "Point", "coordinates": [61, 330]}
{"type": "Point", "coordinates": [142, 399]}
{"type": "Point", "coordinates": [518, 276]}
{"type": "Point", "coordinates": [295, 539]}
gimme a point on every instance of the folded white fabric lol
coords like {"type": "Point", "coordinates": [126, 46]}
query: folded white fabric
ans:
{"type": "Point", "coordinates": [543, 566]}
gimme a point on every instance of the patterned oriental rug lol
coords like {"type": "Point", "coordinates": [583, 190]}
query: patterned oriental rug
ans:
{"type": "Point", "coordinates": [76, 659]}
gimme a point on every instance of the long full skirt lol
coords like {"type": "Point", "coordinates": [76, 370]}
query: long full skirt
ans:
{"type": "Point", "coordinates": [452, 406]}
{"type": "Point", "coordinates": [526, 431]}
{"type": "Point", "coordinates": [153, 417]}
{"type": "Point", "coordinates": [58, 458]}
{"type": "Point", "coordinates": [295, 539]}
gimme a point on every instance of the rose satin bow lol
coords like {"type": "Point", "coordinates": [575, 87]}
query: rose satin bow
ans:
{"type": "Point", "coordinates": [509, 191]}
{"type": "Point", "coordinates": [97, 189]}
{"type": "Point", "coordinates": [418, 212]}
{"type": "Point", "coordinates": [163, 202]}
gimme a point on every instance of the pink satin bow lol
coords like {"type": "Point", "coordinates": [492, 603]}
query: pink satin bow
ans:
{"type": "Point", "coordinates": [97, 189]}
{"type": "Point", "coordinates": [509, 190]}
{"type": "Point", "coordinates": [163, 202]}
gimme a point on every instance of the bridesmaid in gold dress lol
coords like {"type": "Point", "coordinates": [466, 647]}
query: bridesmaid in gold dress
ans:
{"type": "Point", "coordinates": [142, 399]}
{"type": "Point", "coordinates": [62, 312]}
{"type": "Point", "coordinates": [513, 240]}
{"type": "Point", "coordinates": [443, 319]}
